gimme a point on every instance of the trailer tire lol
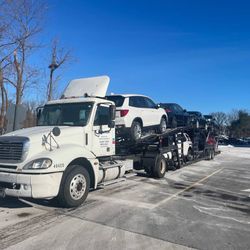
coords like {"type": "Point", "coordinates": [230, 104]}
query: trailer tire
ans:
{"type": "Point", "coordinates": [160, 167]}
{"type": "Point", "coordinates": [74, 187]}
{"type": "Point", "coordinates": [209, 155]}
{"type": "Point", "coordinates": [190, 155]}
{"type": "Point", "coordinates": [212, 154]}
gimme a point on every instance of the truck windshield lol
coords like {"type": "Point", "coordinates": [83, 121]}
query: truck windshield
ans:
{"type": "Point", "coordinates": [67, 114]}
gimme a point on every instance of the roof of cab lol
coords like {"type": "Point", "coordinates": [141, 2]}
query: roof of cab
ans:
{"type": "Point", "coordinates": [77, 100]}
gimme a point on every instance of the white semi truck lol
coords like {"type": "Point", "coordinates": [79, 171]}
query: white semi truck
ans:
{"type": "Point", "coordinates": [73, 148]}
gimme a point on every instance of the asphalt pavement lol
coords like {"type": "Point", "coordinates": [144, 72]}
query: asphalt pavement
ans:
{"type": "Point", "coordinates": [205, 205]}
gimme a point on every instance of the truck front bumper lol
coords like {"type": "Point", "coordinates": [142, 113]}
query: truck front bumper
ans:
{"type": "Point", "coordinates": [30, 185]}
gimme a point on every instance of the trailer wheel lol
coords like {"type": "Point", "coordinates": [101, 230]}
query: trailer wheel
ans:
{"type": "Point", "coordinates": [209, 155]}
{"type": "Point", "coordinates": [74, 187]}
{"type": "Point", "coordinates": [190, 156]}
{"type": "Point", "coordinates": [212, 154]}
{"type": "Point", "coordinates": [160, 167]}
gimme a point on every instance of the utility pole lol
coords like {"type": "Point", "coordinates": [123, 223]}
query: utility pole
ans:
{"type": "Point", "coordinates": [53, 66]}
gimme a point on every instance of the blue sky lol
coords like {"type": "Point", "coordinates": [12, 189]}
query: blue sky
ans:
{"type": "Point", "coordinates": [195, 53]}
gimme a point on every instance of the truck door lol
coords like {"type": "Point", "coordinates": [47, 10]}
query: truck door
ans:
{"type": "Point", "coordinates": [103, 143]}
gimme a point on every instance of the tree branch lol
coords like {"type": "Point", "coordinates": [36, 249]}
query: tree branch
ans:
{"type": "Point", "coordinates": [10, 81]}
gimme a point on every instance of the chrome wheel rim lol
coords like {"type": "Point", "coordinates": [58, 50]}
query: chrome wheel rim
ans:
{"type": "Point", "coordinates": [163, 125]}
{"type": "Point", "coordinates": [137, 131]}
{"type": "Point", "coordinates": [77, 187]}
{"type": "Point", "coordinates": [162, 166]}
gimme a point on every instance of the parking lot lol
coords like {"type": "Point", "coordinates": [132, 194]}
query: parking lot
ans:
{"type": "Point", "coordinates": [202, 206]}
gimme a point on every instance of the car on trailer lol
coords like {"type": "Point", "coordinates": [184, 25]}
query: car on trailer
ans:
{"type": "Point", "coordinates": [198, 117]}
{"type": "Point", "coordinates": [185, 146]}
{"type": "Point", "coordinates": [137, 114]}
{"type": "Point", "coordinates": [177, 115]}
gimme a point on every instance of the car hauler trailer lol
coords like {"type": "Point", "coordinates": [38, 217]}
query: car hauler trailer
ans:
{"type": "Point", "coordinates": [73, 148]}
{"type": "Point", "coordinates": [158, 153]}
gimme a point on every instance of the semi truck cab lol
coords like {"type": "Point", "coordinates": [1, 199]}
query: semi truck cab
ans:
{"type": "Point", "coordinates": [69, 150]}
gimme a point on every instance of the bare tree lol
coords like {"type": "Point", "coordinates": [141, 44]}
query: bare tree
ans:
{"type": "Point", "coordinates": [220, 120]}
{"type": "Point", "coordinates": [30, 119]}
{"type": "Point", "coordinates": [6, 48]}
{"type": "Point", "coordinates": [232, 116]}
{"type": "Point", "coordinates": [25, 18]}
{"type": "Point", "coordinates": [4, 96]}
{"type": "Point", "coordinates": [59, 56]}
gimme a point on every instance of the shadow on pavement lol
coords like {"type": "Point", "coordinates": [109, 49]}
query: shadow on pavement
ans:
{"type": "Point", "coordinates": [12, 202]}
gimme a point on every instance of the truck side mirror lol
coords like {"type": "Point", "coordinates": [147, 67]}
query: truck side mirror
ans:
{"type": "Point", "coordinates": [56, 131]}
{"type": "Point", "coordinates": [112, 112]}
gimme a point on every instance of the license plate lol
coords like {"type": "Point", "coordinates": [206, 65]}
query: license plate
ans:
{"type": "Point", "coordinates": [2, 192]}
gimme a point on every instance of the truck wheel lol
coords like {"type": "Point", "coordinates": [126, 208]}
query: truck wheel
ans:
{"type": "Point", "coordinates": [163, 125]}
{"type": "Point", "coordinates": [160, 167]}
{"type": "Point", "coordinates": [74, 187]}
{"type": "Point", "coordinates": [136, 131]}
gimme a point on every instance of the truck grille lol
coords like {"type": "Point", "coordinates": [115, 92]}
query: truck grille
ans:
{"type": "Point", "coordinates": [11, 151]}
{"type": "Point", "coordinates": [8, 166]}
{"type": "Point", "coordinates": [11, 148]}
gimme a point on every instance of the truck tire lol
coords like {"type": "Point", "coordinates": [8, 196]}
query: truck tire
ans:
{"type": "Point", "coordinates": [74, 187]}
{"type": "Point", "coordinates": [160, 167]}
{"type": "Point", "coordinates": [136, 131]}
{"type": "Point", "coordinates": [163, 126]}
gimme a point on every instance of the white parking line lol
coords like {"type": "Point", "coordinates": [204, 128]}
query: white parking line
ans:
{"type": "Point", "coordinates": [246, 190]}
{"type": "Point", "coordinates": [187, 188]}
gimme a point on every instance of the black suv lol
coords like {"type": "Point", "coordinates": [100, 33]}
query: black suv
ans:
{"type": "Point", "coordinates": [198, 117]}
{"type": "Point", "coordinates": [176, 114]}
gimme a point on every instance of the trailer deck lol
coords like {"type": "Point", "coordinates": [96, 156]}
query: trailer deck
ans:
{"type": "Point", "coordinates": [147, 151]}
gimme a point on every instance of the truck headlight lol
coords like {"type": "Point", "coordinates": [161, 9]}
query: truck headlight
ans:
{"type": "Point", "coordinates": [42, 163]}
